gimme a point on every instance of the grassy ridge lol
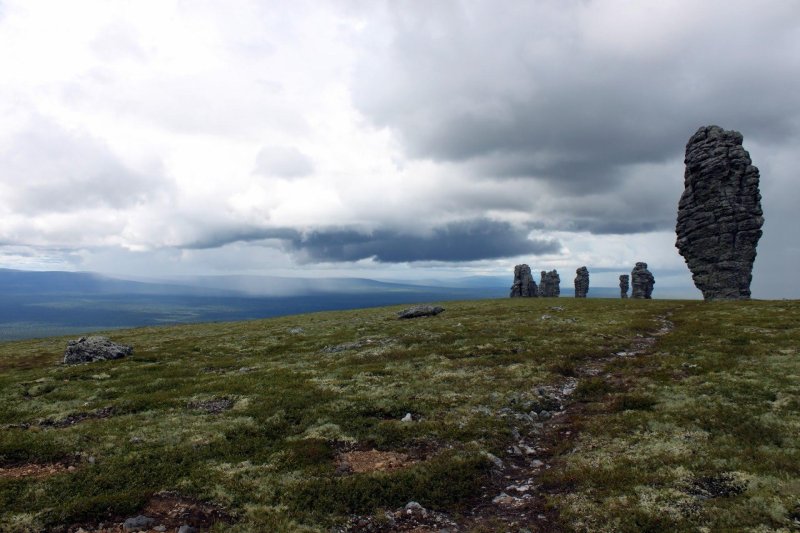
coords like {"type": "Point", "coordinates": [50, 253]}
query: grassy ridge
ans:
{"type": "Point", "coordinates": [717, 407]}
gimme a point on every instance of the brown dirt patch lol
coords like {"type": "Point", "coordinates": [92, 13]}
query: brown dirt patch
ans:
{"type": "Point", "coordinates": [213, 406]}
{"type": "Point", "coordinates": [373, 461]}
{"type": "Point", "coordinates": [168, 509]}
{"type": "Point", "coordinates": [33, 470]}
{"type": "Point", "coordinates": [71, 420]}
{"type": "Point", "coordinates": [173, 510]}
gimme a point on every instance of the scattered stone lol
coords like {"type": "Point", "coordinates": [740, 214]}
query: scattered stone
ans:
{"type": "Point", "coordinates": [420, 311]}
{"type": "Point", "coordinates": [296, 331]}
{"type": "Point", "coordinates": [186, 528]}
{"type": "Point", "coordinates": [501, 498]}
{"type": "Point", "coordinates": [411, 517]}
{"type": "Point", "coordinates": [138, 523]}
{"type": "Point", "coordinates": [623, 286]}
{"type": "Point", "coordinates": [550, 284]}
{"type": "Point", "coordinates": [719, 214]}
{"type": "Point", "coordinates": [160, 528]}
{"type": "Point", "coordinates": [643, 281]}
{"type": "Point", "coordinates": [523, 285]}
{"type": "Point", "coordinates": [494, 460]}
{"type": "Point", "coordinates": [94, 348]}
{"type": "Point", "coordinates": [414, 506]}
{"type": "Point", "coordinates": [407, 418]}
{"type": "Point", "coordinates": [582, 282]}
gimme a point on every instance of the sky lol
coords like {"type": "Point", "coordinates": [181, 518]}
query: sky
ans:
{"type": "Point", "coordinates": [388, 140]}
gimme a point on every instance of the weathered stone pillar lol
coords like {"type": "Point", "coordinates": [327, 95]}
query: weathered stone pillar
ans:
{"type": "Point", "coordinates": [523, 286]}
{"type": "Point", "coordinates": [623, 285]}
{"type": "Point", "coordinates": [582, 282]}
{"type": "Point", "coordinates": [719, 214]}
{"type": "Point", "coordinates": [642, 281]}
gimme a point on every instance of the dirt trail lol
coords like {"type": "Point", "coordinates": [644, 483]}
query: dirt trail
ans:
{"type": "Point", "coordinates": [515, 499]}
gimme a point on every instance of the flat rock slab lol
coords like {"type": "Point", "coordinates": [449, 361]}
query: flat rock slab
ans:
{"type": "Point", "coordinates": [419, 311]}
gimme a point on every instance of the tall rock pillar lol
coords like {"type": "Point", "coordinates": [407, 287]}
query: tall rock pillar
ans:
{"type": "Point", "coordinates": [719, 214]}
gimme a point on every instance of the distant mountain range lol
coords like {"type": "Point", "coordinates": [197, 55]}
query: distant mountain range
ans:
{"type": "Point", "coordinates": [38, 304]}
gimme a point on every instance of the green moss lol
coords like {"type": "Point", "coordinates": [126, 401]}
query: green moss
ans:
{"type": "Point", "coordinates": [717, 398]}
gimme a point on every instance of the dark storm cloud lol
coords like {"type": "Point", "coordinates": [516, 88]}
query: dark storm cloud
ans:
{"type": "Point", "coordinates": [547, 94]}
{"type": "Point", "coordinates": [471, 240]}
{"type": "Point", "coordinates": [217, 235]}
{"type": "Point", "coordinates": [459, 241]}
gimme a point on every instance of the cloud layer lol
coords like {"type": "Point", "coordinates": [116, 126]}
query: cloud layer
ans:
{"type": "Point", "coordinates": [371, 135]}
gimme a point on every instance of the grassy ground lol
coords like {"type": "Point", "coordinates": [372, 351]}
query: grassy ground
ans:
{"type": "Point", "coordinates": [251, 416]}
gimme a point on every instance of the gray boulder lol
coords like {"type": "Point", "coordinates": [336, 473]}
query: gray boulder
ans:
{"type": "Point", "coordinates": [138, 523]}
{"type": "Point", "coordinates": [94, 348]}
{"type": "Point", "coordinates": [642, 281]}
{"type": "Point", "coordinates": [523, 285]}
{"type": "Point", "coordinates": [420, 310]}
{"type": "Point", "coordinates": [719, 214]}
{"type": "Point", "coordinates": [624, 285]}
{"type": "Point", "coordinates": [550, 284]}
{"type": "Point", "coordinates": [581, 282]}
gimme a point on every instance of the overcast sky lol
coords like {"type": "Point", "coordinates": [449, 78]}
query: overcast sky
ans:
{"type": "Point", "coordinates": [392, 140]}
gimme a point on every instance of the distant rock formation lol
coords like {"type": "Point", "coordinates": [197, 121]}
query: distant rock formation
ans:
{"type": "Point", "coordinates": [420, 310]}
{"type": "Point", "coordinates": [623, 285]}
{"type": "Point", "coordinates": [550, 284]}
{"type": "Point", "coordinates": [642, 281]}
{"type": "Point", "coordinates": [91, 349]}
{"type": "Point", "coordinates": [719, 214]}
{"type": "Point", "coordinates": [523, 286]}
{"type": "Point", "coordinates": [582, 282]}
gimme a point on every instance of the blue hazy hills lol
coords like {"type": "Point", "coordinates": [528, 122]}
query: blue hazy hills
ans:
{"type": "Point", "coordinates": [39, 304]}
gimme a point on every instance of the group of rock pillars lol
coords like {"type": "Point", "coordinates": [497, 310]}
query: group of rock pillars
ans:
{"type": "Point", "coordinates": [549, 283]}
{"type": "Point", "coordinates": [718, 228]}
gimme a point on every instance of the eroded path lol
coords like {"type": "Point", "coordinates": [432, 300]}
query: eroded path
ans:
{"type": "Point", "coordinates": [516, 498]}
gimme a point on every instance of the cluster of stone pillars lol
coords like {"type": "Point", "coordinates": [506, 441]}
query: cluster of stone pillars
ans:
{"type": "Point", "coordinates": [549, 283]}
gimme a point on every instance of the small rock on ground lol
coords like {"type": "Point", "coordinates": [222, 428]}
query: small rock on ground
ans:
{"type": "Point", "coordinates": [138, 523]}
{"type": "Point", "coordinates": [420, 311]}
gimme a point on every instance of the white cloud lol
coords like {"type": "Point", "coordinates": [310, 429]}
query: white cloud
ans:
{"type": "Point", "coordinates": [155, 129]}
